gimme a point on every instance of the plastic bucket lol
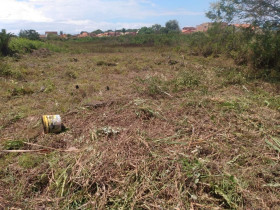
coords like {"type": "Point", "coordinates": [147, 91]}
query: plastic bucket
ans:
{"type": "Point", "coordinates": [52, 123]}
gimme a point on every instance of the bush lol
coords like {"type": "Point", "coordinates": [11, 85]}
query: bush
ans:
{"type": "Point", "coordinates": [259, 48]}
{"type": "Point", "coordinates": [140, 39]}
{"type": "Point", "coordinates": [265, 50]}
{"type": "Point", "coordinates": [22, 45]}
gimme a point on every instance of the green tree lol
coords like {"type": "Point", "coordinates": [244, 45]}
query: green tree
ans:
{"type": "Point", "coordinates": [145, 30]}
{"type": "Point", "coordinates": [164, 30]}
{"type": "Point", "coordinates": [172, 26]}
{"type": "Point", "coordinates": [4, 42]}
{"type": "Point", "coordinates": [29, 34]}
{"type": "Point", "coordinates": [123, 30]}
{"type": "Point", "coordinates": [156, 28]}
{"type": "Point", "coordinates": [258, 12]}
{"type": "Point", "coordinates": [98, 31]}
{"type": "Point", "coordinates": [131, 30]}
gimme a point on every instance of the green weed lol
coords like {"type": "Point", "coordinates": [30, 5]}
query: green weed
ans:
{"type": "Point", "coordinates": [184, 80]}
{"type": "Point", "coordinates": [146, 113]}
{"type": "Point", "coordinates": [13, 144]}
{"type": "Point", "coordinates": [20, 91]}
{"type": "Point", "coordinates": [227, 191]}
{"type": "Point", "coordinates": [6, 71]}
{"type": "Point", "coordinates": [30, 160]}
{"type": "Point", "coordinates": [275, 144]}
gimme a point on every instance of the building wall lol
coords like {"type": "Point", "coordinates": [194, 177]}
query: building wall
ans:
{"type": "Point", "coordinates": [203, 27]}
{"type": "Point", "coordinates": [188, 30]}
{"type": "Point", "coordinates": [50, 32]}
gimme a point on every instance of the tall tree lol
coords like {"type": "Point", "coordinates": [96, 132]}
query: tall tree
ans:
{"type": "Point", "coordinates": [29, 34]}
{"type": "Point", "coordinates": [156, 28]}
{"type": "Point", "coordinates": [257, 12]}
{"type": "Point", "coordinates": [172, 25]}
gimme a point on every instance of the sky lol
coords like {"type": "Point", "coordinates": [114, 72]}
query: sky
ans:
{"type": "Point", "coordinates": [74, 16]}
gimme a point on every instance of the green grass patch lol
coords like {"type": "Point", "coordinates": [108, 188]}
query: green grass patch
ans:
{"type": "Point", "coordinates": [29, 161]}
{"type": "Point", "coordinates": [13, 144]}
{"type": "Point", "coordinates": [22, 45]}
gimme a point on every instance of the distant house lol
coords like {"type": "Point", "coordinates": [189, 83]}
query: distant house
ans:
{"type": "Point", "coordinates": [101, 35]}
{"type": "Point", "coordinates": [92, 35]}
{"type": "Point", "coordinates": [42, 36]}
{"type": "Point", "coordinates": [83, 34]}
{"type": "Point", "coordinates": [188, 30]}
{"type": "Point", "coordinates": [64, 36]}
{"type": "Point", "coordinates": [203, 27]}
{"type": "Point", "coordinates": [47, 33]}
{"type": "Point", "coordinates": [111, 33]}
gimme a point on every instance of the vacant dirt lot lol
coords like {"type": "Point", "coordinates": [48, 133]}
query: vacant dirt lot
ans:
{"type": "Point", "coordinates": [146, 128]}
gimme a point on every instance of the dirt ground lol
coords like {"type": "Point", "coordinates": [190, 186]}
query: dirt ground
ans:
{"type": "Point", "coordinates": [146, 128]}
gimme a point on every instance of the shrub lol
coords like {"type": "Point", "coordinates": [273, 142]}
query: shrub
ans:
{"type": "Point", "coordinates": [260, 48]}
{"type": "Point", "coordinates": [184, 80]}
{"type": "Point", "coordinates": [22, 45]}
{"type": "Point", "coordinates": [18, 91]}
{"type": "Point", "coordinates": [265, 50]}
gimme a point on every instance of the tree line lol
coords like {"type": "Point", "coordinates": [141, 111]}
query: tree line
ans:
{"type": "Point", "coordinates": [257, 45]}
{"type": "Point", "coordinates": [171, 26]}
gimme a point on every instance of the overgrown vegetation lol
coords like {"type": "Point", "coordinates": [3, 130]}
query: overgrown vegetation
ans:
{"type": "Point", "coordinates": [147, 127]}
{"type": "Point", "coordinates": [258, 48]}
{"type": "Point", "coordinates": [23, 45]}
{"type": "Point", "coordinates": [153, 121]}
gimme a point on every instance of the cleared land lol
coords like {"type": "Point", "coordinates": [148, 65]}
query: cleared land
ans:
{"type": "Point", "coordinates": [147, 128]}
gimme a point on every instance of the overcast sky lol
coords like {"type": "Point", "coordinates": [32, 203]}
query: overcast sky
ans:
{"type": "Point", "coordinates": [74, 16]}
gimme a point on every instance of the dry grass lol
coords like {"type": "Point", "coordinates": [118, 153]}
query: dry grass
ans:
{"type": "Point", "coordinates": [155, 129]}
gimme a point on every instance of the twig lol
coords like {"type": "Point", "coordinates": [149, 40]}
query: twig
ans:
{"type": "Point", "coordinates": [204, 206]}
{"type": "Point", "coordinates": [165, 92]}
{"type": "Point", "coordinates": [245, 88]}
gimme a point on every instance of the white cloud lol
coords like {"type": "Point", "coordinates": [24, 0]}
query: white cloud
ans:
{"type": "Point", "coordinates": [12, 10]}
{"type": "Point", "coordinates": [76, 22]}
{"type": "Point", "coordinates": [82, 14]}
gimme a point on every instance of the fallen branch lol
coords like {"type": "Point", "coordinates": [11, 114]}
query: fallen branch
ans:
{"type": "Point", "coordinates": [26, 151]}
{"type": "Point", "coordinates": [71, 149]}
